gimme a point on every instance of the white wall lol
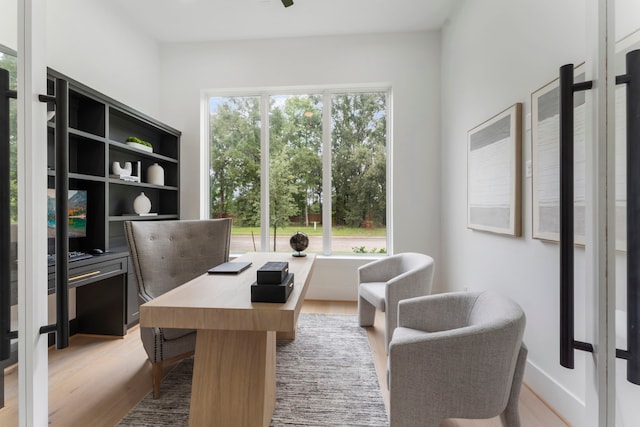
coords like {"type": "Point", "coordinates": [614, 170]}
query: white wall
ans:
{"type": "Point", "coordinates": [408, 62]}
{"type": "Point", "coordinates": [627, 17]}
{"type": "Point", "coordinates": [496, 53]}
{"type": "Point", "coordinates": [90, 42]}
{"type": "Point", "coordinates": [9, 23]}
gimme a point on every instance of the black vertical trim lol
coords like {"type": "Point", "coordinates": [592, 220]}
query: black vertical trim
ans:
{"type": "Point", "coordinates": [566, 217]}
{"type": "Point", "coordinates": [62, 213]}
{"type": "Point", "coordinates": [567, 342]}
{"type": "Point", "coordinates": [5, 219]}
{"type": "Point", "coordinates": [633, 215]}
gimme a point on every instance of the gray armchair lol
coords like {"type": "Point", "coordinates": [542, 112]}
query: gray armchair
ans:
{"type": "Point", "coordinates": [384, 282]}
{"type": "Point", "coordinates": [456, 355]}
{"type": "Point", "coordinates": [166, 254]}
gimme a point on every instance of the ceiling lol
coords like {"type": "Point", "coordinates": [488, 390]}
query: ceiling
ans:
{"type": "Point", "coordinates": [207, 20]}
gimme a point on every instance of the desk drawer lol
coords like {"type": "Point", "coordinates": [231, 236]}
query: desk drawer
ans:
{"type": "Point", "coordinates": [89, 272]}
{"type": "Point", "coordinates": [85, 274]}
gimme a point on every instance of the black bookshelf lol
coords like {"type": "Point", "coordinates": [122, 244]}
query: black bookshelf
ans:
{"type": "Point", "coordinates": [98, 127]}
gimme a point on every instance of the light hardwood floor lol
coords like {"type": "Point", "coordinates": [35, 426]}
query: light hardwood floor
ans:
{"type": "Point", "coordinates": [97, 380]}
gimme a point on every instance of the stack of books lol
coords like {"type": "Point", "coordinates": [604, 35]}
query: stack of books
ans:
{"type": "Point", "coordinates": [128, 178]}
{"type": "Point", "coordinates": [274, 283]}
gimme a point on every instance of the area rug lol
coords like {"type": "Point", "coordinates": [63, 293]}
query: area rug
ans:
{"type": "Point", "coordinates": [325, 377]}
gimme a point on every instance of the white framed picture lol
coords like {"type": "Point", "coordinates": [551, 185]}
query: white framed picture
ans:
{"type": "Point", "coordinates": [545, 161]}
{"type": "Point", "coordinates": [494, 153]}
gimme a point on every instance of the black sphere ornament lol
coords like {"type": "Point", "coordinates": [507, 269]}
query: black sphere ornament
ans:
{"type": "Point", "coordinates": [299, 243]}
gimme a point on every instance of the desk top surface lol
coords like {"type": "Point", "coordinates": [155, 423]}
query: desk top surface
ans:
{"type": "Point", "coordinates": [220, 301]}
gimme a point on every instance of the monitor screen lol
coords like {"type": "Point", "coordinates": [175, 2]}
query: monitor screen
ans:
{"type": "Point", "coordinates": [77, 213]}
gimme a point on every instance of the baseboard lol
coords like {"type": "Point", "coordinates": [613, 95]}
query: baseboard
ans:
{"type": "Point", "coordinates": [335, 278]}
{"type": "Point", "coordinates": [560, 400]}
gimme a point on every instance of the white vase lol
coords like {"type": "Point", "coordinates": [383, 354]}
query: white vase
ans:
{"type": "Point", "coordinates": [119, 170]}
{"type": "Point", "coordinates": [155, 174]}
{"type": "Point", "coordinates": [142, 204]}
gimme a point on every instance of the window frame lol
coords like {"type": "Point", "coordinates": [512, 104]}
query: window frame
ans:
{"type": "Point", "coordinates": [265, 94]}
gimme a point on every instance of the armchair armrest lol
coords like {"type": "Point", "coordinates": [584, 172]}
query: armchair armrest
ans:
{"type": "Point", "coordinates": [380, 270]}
{"type": "Point", "coordinates": [439, 312]}
{"type": "Point", "coordinates": [408, 285]}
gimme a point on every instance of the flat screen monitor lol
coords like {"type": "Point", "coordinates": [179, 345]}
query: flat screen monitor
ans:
{"type": "Point", "coordinates": [77, 213]}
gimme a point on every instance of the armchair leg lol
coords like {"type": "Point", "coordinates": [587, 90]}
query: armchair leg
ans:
{"type": "Point", "coordinates": [511, 417]}
{"type": "Point", "coordinates": [366, 312]}
{"type": "Point", "coordinates": [156, 377]}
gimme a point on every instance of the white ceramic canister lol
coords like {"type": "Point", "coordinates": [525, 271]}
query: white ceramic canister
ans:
{"type": "Point", "coordinates": [155, 174]}
{"type": "Point", "coordinates": [142, 204]}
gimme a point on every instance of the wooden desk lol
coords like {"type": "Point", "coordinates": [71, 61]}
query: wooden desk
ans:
{"type": "Point", "coordinates": [234, 374]}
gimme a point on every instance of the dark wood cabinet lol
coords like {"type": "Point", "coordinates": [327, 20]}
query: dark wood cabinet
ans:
{"type": "Point", "coordinates": [98, 127]}
{"type": "Point", "coordinates": [101, 293]}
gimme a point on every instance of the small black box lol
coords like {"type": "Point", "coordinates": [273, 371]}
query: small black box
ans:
{"type": "Point", "coordinates": [273, 273]}
{"type": "Point", "coordinates": [272, 293]}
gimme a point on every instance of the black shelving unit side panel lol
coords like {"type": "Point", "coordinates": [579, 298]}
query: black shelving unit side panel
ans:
{"type": "Point", "coordinates": [123, 126]}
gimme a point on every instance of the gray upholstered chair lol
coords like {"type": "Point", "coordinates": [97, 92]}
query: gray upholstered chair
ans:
{"type": "Point", "coordinates": [456, 355]}
{"type": "Point", "coordinates": [166, 254]}
{"type": "Point", "coordinates": [384, 282]}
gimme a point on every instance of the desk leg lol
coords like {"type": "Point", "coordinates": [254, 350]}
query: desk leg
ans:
{"type": "Point", "coordinates": [286, 336]}
{"type": "Point", "coordinates": [234, 378]}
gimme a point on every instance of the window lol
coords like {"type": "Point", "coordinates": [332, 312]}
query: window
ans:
{"type": "Point", "coordinates": [8, 61]}
{"type": "Point", "coordinates": [314, 163]}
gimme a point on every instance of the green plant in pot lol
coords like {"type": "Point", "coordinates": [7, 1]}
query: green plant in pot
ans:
{"type": "Point", "coordinates": [134, 140]}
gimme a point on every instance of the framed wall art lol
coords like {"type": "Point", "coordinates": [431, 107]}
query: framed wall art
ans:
{"type": "Point", "coordinates": [623, 46]}
{"type": "Point", "coordinates": [494, 150]}
{"type": "Point", "coordinates": [545, 161]}
{"type": "Point", "coordinates": [545, 155]}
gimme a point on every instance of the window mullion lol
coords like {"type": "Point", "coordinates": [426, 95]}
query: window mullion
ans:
{"type": "Point", "coordinates": [326, 173]}
{"type": "Point", "coordinates": [264, 172]}
{"type": "Point", "coordinates": [205, 159]}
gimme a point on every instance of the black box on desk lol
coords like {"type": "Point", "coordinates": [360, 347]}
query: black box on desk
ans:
{"type": "Point", "coordinates": [272, 293]}
{"type": "Point", "coordinates": [273, 273]}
